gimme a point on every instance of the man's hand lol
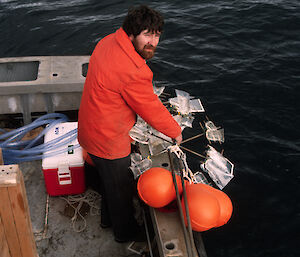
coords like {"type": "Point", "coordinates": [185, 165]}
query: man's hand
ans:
{"type": "Point", "coordinates": [178, 139]}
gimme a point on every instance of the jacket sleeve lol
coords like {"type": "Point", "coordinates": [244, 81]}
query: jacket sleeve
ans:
{"type": "Point", "coordinates": [139, 95]}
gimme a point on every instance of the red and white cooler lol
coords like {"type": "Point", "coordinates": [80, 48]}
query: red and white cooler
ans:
{"type": "Point", "coordinates": [64, 173]}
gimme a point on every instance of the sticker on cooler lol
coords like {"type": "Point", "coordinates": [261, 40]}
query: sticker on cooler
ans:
{"type": "Point", "coordinates": [64, 173]}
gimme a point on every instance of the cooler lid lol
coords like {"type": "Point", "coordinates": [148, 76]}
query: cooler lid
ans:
{"type": "Point", "coordinates": [71, 157]}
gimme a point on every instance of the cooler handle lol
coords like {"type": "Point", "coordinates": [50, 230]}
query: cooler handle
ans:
{"type": "Point", "coordinates": [64, 175]}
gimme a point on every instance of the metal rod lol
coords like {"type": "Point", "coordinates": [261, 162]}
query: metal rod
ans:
{"type": "Point", "coordinates": [201, 126]}
{"type": "Point", "coordinates": [147, 233]}
{"type": "Point", "coordinates": [191, 138]}
{"type": "Point", "coordinates": [187, 213]}
{"type": "Point", "coordinates": [191, 151]}
{"type": "Point", "coordinates": [182, 147]}
{"type": "Point", "coordinates": [186, 236]}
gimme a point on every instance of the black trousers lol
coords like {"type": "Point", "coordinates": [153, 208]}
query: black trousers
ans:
{"type": "Point", "coordinates": [117, 190]}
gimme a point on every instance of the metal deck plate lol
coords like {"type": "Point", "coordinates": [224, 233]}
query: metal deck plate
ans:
{"type": "Point", "coordinates": [41, 84]}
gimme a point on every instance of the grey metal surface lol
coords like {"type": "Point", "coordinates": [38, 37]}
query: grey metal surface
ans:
{"type": "Point", "coordinates": [18, 71]}
{"type": "Point", "coordinates": [57, 87]}
{"type": "Point", "coordinates": [55, 74]}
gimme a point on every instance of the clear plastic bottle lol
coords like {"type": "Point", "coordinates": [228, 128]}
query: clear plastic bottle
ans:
{"type": "Point", "coordinates": [140, 166]}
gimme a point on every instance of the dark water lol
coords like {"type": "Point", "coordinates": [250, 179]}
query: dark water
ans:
{"type": "Point", "coordinates": [242, 58]}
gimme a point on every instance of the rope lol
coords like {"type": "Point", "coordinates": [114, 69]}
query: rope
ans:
{"type": "Point", "coordinates": [92, 198]}
{"type": "Point", "coordinates": [187, 173]}
{"type": "Point", "coordinates": [41, 235]}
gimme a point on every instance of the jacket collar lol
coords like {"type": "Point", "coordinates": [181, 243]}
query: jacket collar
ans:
{"type": "Point", "coordinates": [127, 46]}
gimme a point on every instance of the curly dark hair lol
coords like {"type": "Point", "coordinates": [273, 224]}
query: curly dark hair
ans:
{"type": "Point", "coordinates": [141, 18]}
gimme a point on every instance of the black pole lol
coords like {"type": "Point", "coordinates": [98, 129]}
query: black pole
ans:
{"type": "Point", "coordinates": [186, 236]}
{"type": "Point", "coordinates": [187, 213]}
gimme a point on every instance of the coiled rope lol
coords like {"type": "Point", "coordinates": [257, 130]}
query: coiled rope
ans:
{"type": "Point", "coordinates": [90, 197]}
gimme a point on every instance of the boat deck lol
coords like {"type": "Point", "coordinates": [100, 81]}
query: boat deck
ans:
{"type": "Point", "coordinates": [60, 239]}
{"type": "Point", "coordinates": [55, 235]}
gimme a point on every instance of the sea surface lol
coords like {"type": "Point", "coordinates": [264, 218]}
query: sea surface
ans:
{"type": "Point", "coordinates": [242, 59]}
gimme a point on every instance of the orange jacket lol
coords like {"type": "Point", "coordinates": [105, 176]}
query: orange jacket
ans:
{"type": "Point", "coordinates": [118, 86]}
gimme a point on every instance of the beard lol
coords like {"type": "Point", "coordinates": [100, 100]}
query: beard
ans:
{"type": "Point", "coordinates": [147, 52]}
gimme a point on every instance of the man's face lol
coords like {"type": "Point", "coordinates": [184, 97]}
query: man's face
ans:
{"type": "Point", "coordinates": [145, 43]}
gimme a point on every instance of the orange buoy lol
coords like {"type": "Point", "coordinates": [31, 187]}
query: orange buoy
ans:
{"type": "Point", "coordinates": [204, 208]}
{"type": "Point", "coordinates": [224, 202]}
{"type": "Point", "coordinates": [155, 187]}
{"type": "Point", "coordinates": [208, 207]}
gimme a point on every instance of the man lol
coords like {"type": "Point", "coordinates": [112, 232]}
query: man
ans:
{"type": "Point", "coordinates": [118, 86]}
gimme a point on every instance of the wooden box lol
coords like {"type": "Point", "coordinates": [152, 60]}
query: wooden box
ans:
{"type": "Point", "coordinates": [16, 236]}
